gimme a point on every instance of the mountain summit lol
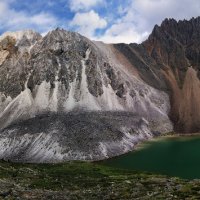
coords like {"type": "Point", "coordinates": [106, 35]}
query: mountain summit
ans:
{"type": "Point", "coordinates": [64, 97]}
{"type": "Point", "coordinates": [169, 60]}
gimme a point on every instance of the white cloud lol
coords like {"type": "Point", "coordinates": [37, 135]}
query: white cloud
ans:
{"type": "Point", "coordinates": [12, 20]}
{"type": "Point", "coordinates": [138, 17]}
{"type": "Point", "coordinates": [132, 21]}
{"type": "Point", "coordinates": [76, 5]}
{"type": "Point", "coordinates": [43, 19]}
{"type": "Point", "coordinates": [153, 12]}
{"type": "Point", "coordinates": [88, 22]}
{"type": "Point", "coordinates": [122, 33]}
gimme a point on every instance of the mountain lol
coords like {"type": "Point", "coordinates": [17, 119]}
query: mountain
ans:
{"type": "Point", "coordinates": [169, 60]}
{"type": "Point", "coordinates": [65, 97]}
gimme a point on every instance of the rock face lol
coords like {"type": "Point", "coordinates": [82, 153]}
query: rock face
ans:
{"type": "Point", "coordinates": [169, 61]}
{"type": "Point", "coordinates": [62, 73]}
{"type": "Point", "coordinates": [176, 49]}
{"type": "Point", "coordinates": [177, 52]}
{"type": "Point", "coordinates": [64, 97]}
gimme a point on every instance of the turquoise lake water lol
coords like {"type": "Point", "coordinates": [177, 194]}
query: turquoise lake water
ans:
{"type": "Point", "coordinates": [179, 157]}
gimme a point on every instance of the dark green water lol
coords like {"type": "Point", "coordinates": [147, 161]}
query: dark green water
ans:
{"type": "Point", "coordinates": [178, 157]}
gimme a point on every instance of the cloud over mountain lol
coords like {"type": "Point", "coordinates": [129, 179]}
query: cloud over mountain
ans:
{"type": "Point", "coordinates": [110, 21]}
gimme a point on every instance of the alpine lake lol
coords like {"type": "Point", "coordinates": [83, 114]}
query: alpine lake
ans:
{"type": "Point", "coordinates": [172, 156]}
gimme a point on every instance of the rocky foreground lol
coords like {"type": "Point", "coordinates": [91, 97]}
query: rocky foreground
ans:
{"type": "Point", "coordinates": [78, 180]}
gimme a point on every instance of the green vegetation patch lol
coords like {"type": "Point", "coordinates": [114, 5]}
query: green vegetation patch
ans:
{"type": "Point", "coordinates": [82, 180]}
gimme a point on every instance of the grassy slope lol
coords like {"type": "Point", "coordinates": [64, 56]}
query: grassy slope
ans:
{"type": "Point", "coordinates": [78, 180]}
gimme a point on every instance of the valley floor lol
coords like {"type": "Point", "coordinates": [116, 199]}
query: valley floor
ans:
{"type": "Point", "coordinates": [80, 180]}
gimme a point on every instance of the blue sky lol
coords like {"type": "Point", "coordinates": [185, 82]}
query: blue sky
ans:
{"type": "Point", "coordinates": [111, 21]}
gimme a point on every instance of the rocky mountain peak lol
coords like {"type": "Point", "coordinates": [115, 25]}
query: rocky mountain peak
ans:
{"type": "Point", "coordinates": [183, 31]}
{"type": "Point", "coordinates": [64, 72]}
{"type": "Point", "coordinates": [169, 60]}
{"type": "Point", "coordinates": [175, 47]}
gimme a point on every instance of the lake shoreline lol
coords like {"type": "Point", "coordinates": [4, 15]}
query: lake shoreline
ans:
{"type": "Point", "coordinates": [179, 134]}
{"type": "Point", "coordinates": [145, 143]}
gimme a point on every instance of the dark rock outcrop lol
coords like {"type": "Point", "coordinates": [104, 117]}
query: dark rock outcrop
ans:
{"type": "Point", "coordinates": [164, 60]}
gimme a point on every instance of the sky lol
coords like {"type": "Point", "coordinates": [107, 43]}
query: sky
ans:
{"type": "Point", "coordinates": [111, 21]}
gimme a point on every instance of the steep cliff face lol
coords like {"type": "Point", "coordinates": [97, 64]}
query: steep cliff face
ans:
{"type": "Point", "coordinates": [169, 60]}
{"type": "Point", "coordinates": [175, 47]}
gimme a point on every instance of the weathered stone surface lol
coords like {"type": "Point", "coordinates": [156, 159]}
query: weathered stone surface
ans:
{"type": "Point", "coordinates": [164, 61]}
{"type": "Point", "coordinates": [65, 72]}
{"type": "Point", "coordinates": [175, 46]}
